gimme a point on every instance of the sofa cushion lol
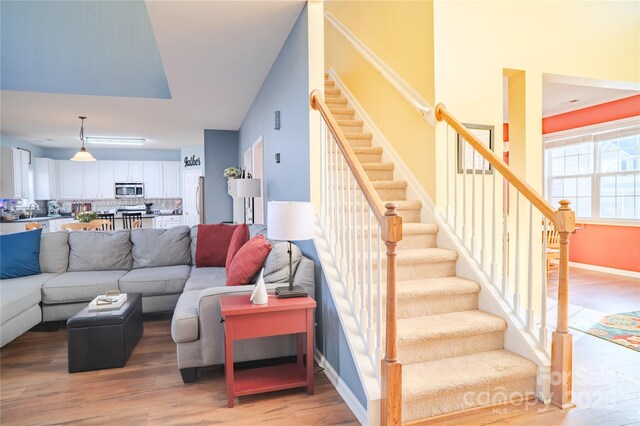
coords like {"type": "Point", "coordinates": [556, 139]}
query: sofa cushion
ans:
{"type": "Point", "coordinates": [80, 286]}
{"type": "Point", "coordinates": [276, 266]}
{"type": "Point", "coordinates": [20, 254]}
{"type": "Point", "coordinates": [202, 278]}
{"type": "Point", "coordinates": [184, 324]}
{"type": "Point", "coordinates": [248, 261]}
{"type": "Point", "coordinates": [19, 294]}
{"type": "Point", "coordinates": [238, 239]}
{"type": "Point", "coordinates": [160, 247]}
{"type": "Point", "coordinates": [213, 244]}
{"type": "Point", "coordinates": [54, 252]}
{"type": "Point", "coordinates": [100, 251]}
{"type": "Point", "coordinates": [155, 281]}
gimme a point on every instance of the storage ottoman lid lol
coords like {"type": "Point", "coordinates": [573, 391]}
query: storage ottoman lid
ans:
{"type": "Point", "coordinates": [85, 318]}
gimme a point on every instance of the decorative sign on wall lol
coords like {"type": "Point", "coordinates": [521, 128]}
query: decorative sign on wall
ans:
{"type": "Point", "coordinates": [191, 162]}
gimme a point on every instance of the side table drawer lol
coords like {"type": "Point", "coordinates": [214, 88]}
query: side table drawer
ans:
{"type": "Point", "coordinates": [256, 325]}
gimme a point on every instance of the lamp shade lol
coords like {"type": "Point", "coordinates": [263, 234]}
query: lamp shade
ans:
{"type": "Point", "coordinates": [290, 220]}
{"type": "Point", "coordinates": [83, 155]}
{"type": "Point", "coordinates": [246, 188]}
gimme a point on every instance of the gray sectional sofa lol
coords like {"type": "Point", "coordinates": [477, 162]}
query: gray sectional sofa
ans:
{"type": "Point", "coordinates": [159, 264]}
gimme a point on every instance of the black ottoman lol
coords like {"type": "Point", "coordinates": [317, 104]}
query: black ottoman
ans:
{"type": "Point", "coordinates": [104, 339]}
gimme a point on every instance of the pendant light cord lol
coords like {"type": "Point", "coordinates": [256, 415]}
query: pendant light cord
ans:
{"type": "Point", "coordinates": [82, 130]}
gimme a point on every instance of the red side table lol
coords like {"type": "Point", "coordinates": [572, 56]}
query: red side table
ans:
{"type": "Point", "coordinates": [244, 320]}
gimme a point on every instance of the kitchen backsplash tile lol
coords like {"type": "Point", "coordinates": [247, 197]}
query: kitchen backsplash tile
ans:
{"type": "Point", "coordinates": [106, 205]}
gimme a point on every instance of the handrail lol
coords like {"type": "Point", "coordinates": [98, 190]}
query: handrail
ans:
{"type": "Point", "coordinates": [402, 87]}
{"type": "Point", "coordinates": [358, 172]}
{"type": "Point", "coordinates": [525, 189]}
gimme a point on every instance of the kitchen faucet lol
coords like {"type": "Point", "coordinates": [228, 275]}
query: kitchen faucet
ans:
{"type": "Point", "coordinates": [30, 208]}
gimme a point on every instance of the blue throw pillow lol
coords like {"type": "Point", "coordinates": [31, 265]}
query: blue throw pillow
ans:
{"type": "Point", "coordinates": [20, 254]}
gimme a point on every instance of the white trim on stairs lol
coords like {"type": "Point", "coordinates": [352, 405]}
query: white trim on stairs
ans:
{"type": "Point", "coordinates": [349, 398]}
{"type": "Point", "coordinates": [516, 337]}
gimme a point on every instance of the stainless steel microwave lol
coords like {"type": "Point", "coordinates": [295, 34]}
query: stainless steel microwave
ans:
{"type": "Point", "coordinates": [129, 190]}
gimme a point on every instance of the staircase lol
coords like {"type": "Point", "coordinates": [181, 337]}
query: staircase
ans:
{"type": "Point", "coordinates": [453, 354]}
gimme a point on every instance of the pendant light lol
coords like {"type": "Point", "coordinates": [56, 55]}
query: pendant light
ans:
{"type": "Point", "coordinates": [83, 154]}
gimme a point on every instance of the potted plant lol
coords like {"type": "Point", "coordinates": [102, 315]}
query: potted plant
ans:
{"type": "Point", "coordinates": [232, 173]}
{"type": "Point", "coordinates": [86, 216]}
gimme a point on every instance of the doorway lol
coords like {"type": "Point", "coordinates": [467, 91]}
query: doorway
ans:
{"type": "Point", "coordinates": [190, 179]}
{"type": "Point", "coordinates": [254, 164]}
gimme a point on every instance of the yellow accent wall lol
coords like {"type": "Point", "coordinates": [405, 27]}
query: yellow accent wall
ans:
{"type": "Point", "coordinates": [400, 33]}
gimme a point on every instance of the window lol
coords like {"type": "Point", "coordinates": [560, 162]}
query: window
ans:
{"type": "Point", "coordinates": [597, 170]}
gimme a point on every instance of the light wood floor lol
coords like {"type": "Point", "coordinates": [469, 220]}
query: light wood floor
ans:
{"type": "Point", "coordinates": [35, 389]}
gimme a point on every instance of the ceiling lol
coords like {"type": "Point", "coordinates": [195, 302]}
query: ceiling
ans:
{"type": "Point", "coordinates": [169, 70]}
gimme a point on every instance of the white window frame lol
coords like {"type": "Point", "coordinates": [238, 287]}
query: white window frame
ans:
{"type": "Point", "coordinates": [582, 135]}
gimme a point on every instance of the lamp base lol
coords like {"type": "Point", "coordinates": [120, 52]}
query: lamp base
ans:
{"type": "Point", "coordinates": [285, 293]}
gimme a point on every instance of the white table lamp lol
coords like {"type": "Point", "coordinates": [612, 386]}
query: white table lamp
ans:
{"type": "Point", "coordinates": [245, 188]}
{"type": "Point", "coordinates": [290, 221]}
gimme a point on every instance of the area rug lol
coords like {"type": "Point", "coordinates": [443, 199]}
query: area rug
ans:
{"type": "Point", "coordinates": [623, 329]}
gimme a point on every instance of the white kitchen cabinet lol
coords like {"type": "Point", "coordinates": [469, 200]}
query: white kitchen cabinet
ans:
{"type": "Point", "coordinates": [153, 181]}
{"type": "Point", "coordinates": [91, 177]}
{"type": "Point", "coordinates": [45, 178]}
{"type": "Point", "coordinates": [166, 222]}
{"type": "Point", "coordinates": [71, 179]}
{"type": "Point", "coordinates": [15, 173]}
{"type": "Point", "coordinates": [128, 171]}
{"type": "Point", "coordinates": [171, 179]}
{"type": "Point", "coordinates": [106, 181]}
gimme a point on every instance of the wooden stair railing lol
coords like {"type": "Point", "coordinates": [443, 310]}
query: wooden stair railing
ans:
{"type": "Point", "coordinates": [563, 220]}
{"type": "Point", "coordinates": [391, 233]}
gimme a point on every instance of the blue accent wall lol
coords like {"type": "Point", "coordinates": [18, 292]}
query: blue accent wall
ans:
{"type": "Point", "coordinates": [221, 151]}
{"type": "Point", "coordinates": [286, 89]}
{"type": "Point", "coordinates": [80, 47]}
{"type": "Point", "coordinates": [7, 141]}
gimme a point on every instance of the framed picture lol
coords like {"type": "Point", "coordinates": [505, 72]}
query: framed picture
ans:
{"type": "Point", "coordinates": [474, 163]}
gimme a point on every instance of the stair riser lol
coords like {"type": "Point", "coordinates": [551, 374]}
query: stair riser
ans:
{"type": "Point", "coordinates": [359, 143]}
{"type": "Point", "coordinates": [343, 115]}
{"type": "Point", "coordinates": [408, 241]}
{"type": "Point", "coordinates": [351, 129]}
{"type": "Point", "coordinates": [380, 174]}
{"type": "Point", "coordinates": [392, 194]}
{"type": "Point", "coordinates": [464, 399]}
{"type": "Point", "coordinates": [436, 305]}
{"type": "Point", "coordinates": [420, 271]}
{"type": "Point", "coordinates": [338, 102]}
{"type": "Point", "coordinates": [448, 348]}
{"type": "Point", "coordinates": [331, 91]}
{"type": "Point", "coordinates": [410, 216]}
{"type": "Point", "coordinates": [369, 158]}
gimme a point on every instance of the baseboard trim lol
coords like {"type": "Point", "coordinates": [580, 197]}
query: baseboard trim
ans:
{"type": "Point", "coordinates": [349, 398]}
{"type": "Point", "coordinates": [468, 410]}
{"type": "Point", "coordinates": [604, 269]}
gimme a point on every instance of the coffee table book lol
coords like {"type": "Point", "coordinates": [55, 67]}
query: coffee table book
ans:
{"type": "Point", "coordinates": [98, 303]}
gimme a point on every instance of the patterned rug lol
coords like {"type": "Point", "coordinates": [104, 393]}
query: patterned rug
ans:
{"type": "Point", "coordinates": [623, 329]}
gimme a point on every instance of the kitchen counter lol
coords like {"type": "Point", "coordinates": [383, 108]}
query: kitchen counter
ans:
{"type": "Point", "coordinates": [47, 218]}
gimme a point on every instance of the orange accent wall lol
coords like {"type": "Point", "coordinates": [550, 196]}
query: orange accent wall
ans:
{"type": "Point", "coordinates": [615, 247]}
{"type": "Point", "coordinates": [602, 113]}
{"type": "Point", "coordinates": [610, 246]}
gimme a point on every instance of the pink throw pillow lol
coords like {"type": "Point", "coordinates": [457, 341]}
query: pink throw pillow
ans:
{"type": "Point", "coordinates": [248, 261]}
{"type": "Point", "coordinates": [239, 238]}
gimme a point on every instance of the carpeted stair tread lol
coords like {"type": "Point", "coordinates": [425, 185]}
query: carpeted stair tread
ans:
{"type": "Point", "coordinates": [419, 228]}
{"type": "Point", "coordinates": [429, 379]}
{"type": "Point", "coordinates": [341, 110]}
{"type": "Point", "coordinates": [367, 150]}
{"type": "Point", "coordinates": [435, 287]}
{"type": "Point", "coordinates": [422, 255]}
{"type": "Point", "coordinates": [447, 326]}
{"type": "Point", "coordinates": [378, 166]}
{"type": "Point", "coordinates": [349, 123]}
{"type": "Point", "coordinates": [388, 184]}
{"type": "Point", "coordinates": [358, 135]}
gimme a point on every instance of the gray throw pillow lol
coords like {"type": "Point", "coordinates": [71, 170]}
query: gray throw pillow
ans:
{"type": "Point", "coordinates": [54, 252]}
{"type": "Point", "coordinates": [161, 247]}
{"type": "Point", "coordinates": [100, 251]}
{"type": "Point", "coordinates": [276, 266]}
{"type": "Point", "coordinates": [194, 242]}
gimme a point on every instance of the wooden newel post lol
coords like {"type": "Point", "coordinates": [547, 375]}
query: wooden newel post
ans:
{"type": "Point", "coordinates": [561, 347]}
{"type": "Point", "coordinates": [391, 395]}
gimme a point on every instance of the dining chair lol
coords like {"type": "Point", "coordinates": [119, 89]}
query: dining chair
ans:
{"type": "Point", "coordinates": [101, 224]}
{"type": "Point", "coordinates": [553, 247]}
{"type": "Point", "coordinates": [29, 226]}
{"type": "Point", "coordinates": [75, 226]}
{"type": "Point", "coordinates": [111, 217]}
{"type": "Point", "coordinates": [128, 220]}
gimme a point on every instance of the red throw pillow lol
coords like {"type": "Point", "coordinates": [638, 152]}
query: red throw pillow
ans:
{"type": "Point", "coordinates": [212, 244]}
{"type": "Point", "coordinates": [248, 261]}
{"type": "Point", "coordinates": [239, 238]}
